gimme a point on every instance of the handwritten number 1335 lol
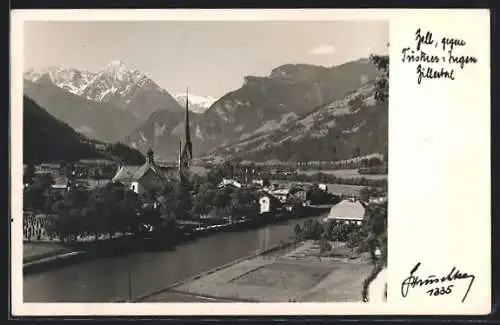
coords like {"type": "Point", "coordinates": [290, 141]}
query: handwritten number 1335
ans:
{"type": "Point", "coordinates": [440, 291]}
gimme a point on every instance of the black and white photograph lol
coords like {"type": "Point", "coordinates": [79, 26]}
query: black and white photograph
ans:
{"type": "Point", "coordinates": [205, 161]}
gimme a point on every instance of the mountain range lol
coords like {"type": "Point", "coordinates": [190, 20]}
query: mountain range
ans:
{"type": "Point", "coordinates": [298, 111]}
{"type": "Point", "coordinates": [261, 104]}
{"type": "Point", "coordinates": [353, 126]}
{"type": "Point", "coordinates": [115, 84]}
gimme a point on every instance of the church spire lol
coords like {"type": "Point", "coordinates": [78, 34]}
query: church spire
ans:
{"type": "Point", "coordinates": [187, 136]}
{"type": "Point", "coordinates": [180, 154]}
{"type": "Point", "coordinates": [186, 154]}
{"type": "Point", "coordinates": [150, 156]}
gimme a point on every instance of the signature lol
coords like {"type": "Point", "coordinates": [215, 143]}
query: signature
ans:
{"type": "Point", "coordinates": [415, 281]}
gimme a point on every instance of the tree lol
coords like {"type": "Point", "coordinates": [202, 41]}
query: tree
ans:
{"type": "Point", "coordinates": [368, 192]}
{"type": "Point", "coordinates": [67, 169]}
{"type": "Point", "coordinates": [382, 82]}
{"type": "Point", "coordinates": [77, 198]}
{"type": "Point", "coordinates": [33, 198]}
{"type": "Point", "coordinates": [45, 181]}
{"type": "Point", "coordinates": [29, 173]}
{"type": "Point", "coordinates": [376, 213]}
{"type": "Point", "coordinates": [318, 196]}
{"type": "Point", "coordinates": [203, 201]}
{"type": "Point", "coordinates": [243, 203]}
{"type": "Point", "coordinates": [169, 203]}
{"type": "Point", "coordinates": [222, 197]}
{"type": "Point", "coordinates": [215, 175]}
{"type": "Point", "coordinates": [75, 224]}
{"type": "Point", "coordinates": [185, 203]}
{"type": "Point", "coordinates": [128, 209]}
{"type": "Point", "coordinates": [90, 220]}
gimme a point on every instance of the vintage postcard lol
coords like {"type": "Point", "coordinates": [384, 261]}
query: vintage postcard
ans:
{"type": "Point", "coordinates": [241, 162]}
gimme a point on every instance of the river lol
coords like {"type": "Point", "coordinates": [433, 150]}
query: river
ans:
{"type": "Point", "coordinates": [106, 279]}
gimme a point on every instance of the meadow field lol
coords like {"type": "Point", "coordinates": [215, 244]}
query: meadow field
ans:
{"type": "Point", "coordinates": [343, 173]}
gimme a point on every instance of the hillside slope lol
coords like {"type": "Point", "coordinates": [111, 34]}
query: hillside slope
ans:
{"type": "Point", "coordinates": [261, 104]}
{"type": "Point", "coordinates": [353, 126]}
{"type": "Point", "coordinates": [98, 121]}
{"type": "Point", "coordinates": [47, 139]}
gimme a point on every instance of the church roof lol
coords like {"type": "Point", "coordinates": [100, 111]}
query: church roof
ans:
{"type": "Point", "coordinates": [126, 173]}
{"type": "Point", "coordinates": [130, 173]}
{"type": "Point", "coordinates": [141, 171]}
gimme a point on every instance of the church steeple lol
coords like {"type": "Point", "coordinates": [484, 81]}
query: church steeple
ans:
{"type": "Point", "coordinates": [187, 136]}
{"type": "Point", "coordinates": [187, 150]}
{"type": "Point", "coordinates": [150, 157]}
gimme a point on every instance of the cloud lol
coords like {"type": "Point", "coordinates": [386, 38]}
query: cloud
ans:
{"type": "Point", "coordinates": [323, 50]}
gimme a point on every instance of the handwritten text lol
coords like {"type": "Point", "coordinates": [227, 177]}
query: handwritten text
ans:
{"type": "Point", "coordinates": [435, 59]}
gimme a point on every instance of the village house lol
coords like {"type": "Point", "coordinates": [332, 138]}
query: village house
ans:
{"type": "Point", "coordinates": [348, 212]}
{"type": "Point", "coordinates": [292, 194]}
{"type": "Point", "coordinates": [146, 177]}
{"type": "Point", "coordinates": [229, 182]}
{"type": "Point", "coordinates": [269, 203]}
{"type": "Point", "coordinates": [61, 184]}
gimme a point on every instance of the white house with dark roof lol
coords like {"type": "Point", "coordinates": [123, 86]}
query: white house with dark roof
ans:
{"type": "Point", "coordinates": [61, 183]}
{"type": "Point", "coordinates": [146, 177]}
{"type": "Point", "coordinates": [229, 182]}
{"type": "Point", "coordinates": [348, 212]}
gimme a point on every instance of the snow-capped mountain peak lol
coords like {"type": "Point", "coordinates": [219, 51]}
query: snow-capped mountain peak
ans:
{"type": "Point", "coordinates": [71, 80]}
{"type": "Point", "coordinates": [121, 72]}
{"type": "Point", "coordinates": [116, 83]}
{"type": "Point", "coordinates": [197, 104]}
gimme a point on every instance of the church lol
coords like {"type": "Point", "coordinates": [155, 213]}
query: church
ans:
{"type": "Point", "coordinates": [152, 177]}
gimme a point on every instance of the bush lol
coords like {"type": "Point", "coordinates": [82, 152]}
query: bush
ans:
{"type": "Point", "coordinates": [312, 230]}
{"type": "Point", "coordinates": [324, 245]}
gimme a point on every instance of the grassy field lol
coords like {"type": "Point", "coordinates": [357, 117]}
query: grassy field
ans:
{"type": "Point", "coordinates": [282, 279]}
{"type": "Point", "coordinates": [343, 173]}
{"type": "Point", "coordinates": [35, 251]}
{"type": "Point", "coordinates": [344, 189]}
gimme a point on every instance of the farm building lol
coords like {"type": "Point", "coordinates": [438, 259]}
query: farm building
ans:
{"type": "Point", "coordinates": [347, 211]}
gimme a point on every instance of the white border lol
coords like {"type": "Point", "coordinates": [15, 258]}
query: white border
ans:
{"type": "Point", "coordinates": [431, 233]}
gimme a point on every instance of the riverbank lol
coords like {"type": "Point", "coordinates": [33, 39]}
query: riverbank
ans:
{"type": "Point", "coordinates": [43, 256]}
{"type": "Point", "coordinates": [33, 251]}
{"type": "Point", "coordinates": [292, 272]}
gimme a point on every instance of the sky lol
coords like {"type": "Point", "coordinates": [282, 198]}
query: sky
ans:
{"type": "Point", "coordinates": [209, 57]}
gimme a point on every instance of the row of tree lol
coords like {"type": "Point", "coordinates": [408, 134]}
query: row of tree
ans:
{"type": "Point", "coordinates": [328, 178]}
{"type": "Point", "coordinates": [374, 170]}
{"type": "Point", "coordinates": [113, 208]}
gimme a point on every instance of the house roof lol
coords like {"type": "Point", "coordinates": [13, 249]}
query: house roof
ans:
{"type": "Point", "coordinates": [97, 161]}
{"type": "Point", "coordinates": [141, 171]}
{"type": "Point", "coordinates": [60, 181]}
{"type": "Point", "coordinates": [231, 182]}
{"type": "Point", "coordinates": [49, 165]}
{"type": "Point", "coordinates": [59, 186]}
{"type": "Point", "coordinates": [295, 190]}
{"type": "Point", "coordinates": [347, 210]}
{"type": "Point", "coordinates": [281, 191]}
{"type": "Point", "coordinates": [126, 173]}
{"type": "Point", "coordinates": [130, 173]}
{"type": "Point", "coordinates": [271, 196]}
